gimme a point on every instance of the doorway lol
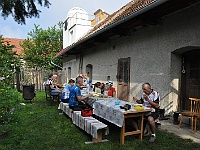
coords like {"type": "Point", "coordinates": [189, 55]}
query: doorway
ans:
{"type": "Point", "coordinates": [190, 78]}
{"type": "Point", "coordinates": [123, 78]}
{"type": "Point", "coordinates": [89, 71]}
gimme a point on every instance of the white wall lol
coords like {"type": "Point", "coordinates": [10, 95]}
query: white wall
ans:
{"type": "Point", "coordinates": [77, 22]}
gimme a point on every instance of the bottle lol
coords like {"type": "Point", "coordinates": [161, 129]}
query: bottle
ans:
{"type": "Point", "coordinates": [105, 94]}
{"type": "Point", "coordinates": [88, 89]}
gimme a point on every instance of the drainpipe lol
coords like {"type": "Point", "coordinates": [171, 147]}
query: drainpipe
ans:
{"type": "Point", "coordinates": [56, 65]}
{"type": "Point", "coordinates": [80, 70]}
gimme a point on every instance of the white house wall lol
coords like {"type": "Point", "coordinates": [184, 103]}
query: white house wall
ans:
{"type": "Point", "coordinates": [150, 50]}
{"type": "Point", "coordinates": [78, 23]}
{"type": "Point", "coordinates": [70, 61]}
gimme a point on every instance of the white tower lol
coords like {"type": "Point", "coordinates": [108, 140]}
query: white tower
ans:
{"type": "Point", "coordinates": [76, 25]}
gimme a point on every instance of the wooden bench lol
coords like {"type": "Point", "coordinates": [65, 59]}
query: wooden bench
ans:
{"type": "Point", "coordinates": [89, 124]}
{"type": "Point", "coordinates": [53, 98]}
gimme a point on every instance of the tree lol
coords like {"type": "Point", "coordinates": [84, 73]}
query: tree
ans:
{"type": "Point", "coordinates": [42, 45]}
{"type": "Point", "coordinates": [9, 62]}
{"type": "Point", "coordinates": [21, 9]}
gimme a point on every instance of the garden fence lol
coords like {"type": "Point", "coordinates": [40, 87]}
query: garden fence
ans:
{"type": "Point", "coordinates": [37, 76]}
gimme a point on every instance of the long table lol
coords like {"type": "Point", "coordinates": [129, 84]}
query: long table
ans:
{"type": "Point", "coordinates": [108, 110]}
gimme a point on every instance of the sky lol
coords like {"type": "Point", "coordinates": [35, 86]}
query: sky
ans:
{"type": "Point", "coordinates": [56, 12]}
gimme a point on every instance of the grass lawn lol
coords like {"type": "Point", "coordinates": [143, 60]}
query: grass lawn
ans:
{"type": "Point", "coordinates": [39, 126]}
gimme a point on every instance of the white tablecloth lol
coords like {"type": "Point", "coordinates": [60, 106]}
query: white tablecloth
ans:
{"type": "Point", "coordinates": [107, 110]}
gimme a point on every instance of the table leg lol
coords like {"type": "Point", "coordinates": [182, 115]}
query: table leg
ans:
{"type": "Point", "coordinates": [122, 133]}
{"type": "Point", "coordinates": [141, 127]}
{"type": "Point", "coordinates": [99, 138]}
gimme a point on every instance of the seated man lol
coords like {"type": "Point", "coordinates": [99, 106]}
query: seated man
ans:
{"type": "Point", "coordinates": [66, 91]}
{"type": "Point", "coordinates": [49, 80]}
{"type": "Point", "coordinates": [53, 86]}
{"type": "Point", "coordinates": [150, 98]}
{"type": "Point", "coordinates": [75, 98]}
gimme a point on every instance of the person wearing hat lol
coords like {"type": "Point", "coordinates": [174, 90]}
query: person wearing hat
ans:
{"type": "Point", "coordinates": [111, 89]}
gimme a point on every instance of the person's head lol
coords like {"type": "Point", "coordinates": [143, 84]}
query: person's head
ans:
{"type": "Point", "coordinates": [71, 82]}
{"type": "Point", "coordinates": [109, 84]}
{"type": "Point", "coordinates": [79, 80]}
{"type": "Point", "coordinates": [85, 75]}
{"type": "Point", "coordinates": [50, 76]}
{"type": "Point", "coordinates": [54, 77]}
{"type": "Point", "coordinates": [98, 85]}
{"type": "Point", "coordinates": [146, 87]}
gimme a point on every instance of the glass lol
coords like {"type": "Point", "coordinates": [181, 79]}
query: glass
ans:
{"type": "Point", "coordinates": [117, 102]}
{"type": "Point", "coordinates": [105, 94]}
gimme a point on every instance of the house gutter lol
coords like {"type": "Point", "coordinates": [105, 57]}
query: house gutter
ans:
{"type": "Point", "coordinates": [55, 64]}
{"type": "Point", "coordinates": [130, 16]}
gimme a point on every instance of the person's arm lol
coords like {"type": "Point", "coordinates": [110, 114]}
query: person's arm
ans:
{"type": "Point", "coordinates": [138, 101]}
{"type": "Point", "coordinates": [59, 86]}
{"type": "Point", "coordinates": [153, 104]}
{"type": "Point", "coordinates": [114, 92]}
{"type": "Point", "coordinates": [53, 87]}
{"type": "Point", "coordinates": [81, 98]}
{"type": "Point", "coordinates": [82, 86]}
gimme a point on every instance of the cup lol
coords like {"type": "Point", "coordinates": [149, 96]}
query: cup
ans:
{"type": "Point", "coordinates": [117, 102]}
{"type": "Point", "coordinates": [105, 94]}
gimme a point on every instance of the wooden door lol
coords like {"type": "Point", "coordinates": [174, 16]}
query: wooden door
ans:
{"type": "Point", "coordinates": [123, 78]}
{"type": "Point", "coordinates": [190, 78]}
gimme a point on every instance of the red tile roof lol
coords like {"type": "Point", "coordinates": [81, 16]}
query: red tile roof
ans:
{"type": "Point", "coordinates": [16, 43]}
{"type": "Point", "coordinates": [130, 8]}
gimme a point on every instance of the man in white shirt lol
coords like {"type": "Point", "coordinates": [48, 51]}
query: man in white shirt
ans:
{"type": "Point", "coordinates": [151, 99]}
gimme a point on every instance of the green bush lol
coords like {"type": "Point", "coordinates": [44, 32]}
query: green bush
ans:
{"type": "Point", "coordinates": [8, 99]}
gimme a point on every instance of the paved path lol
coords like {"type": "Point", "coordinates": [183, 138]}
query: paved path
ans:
{"type": "Point", "coordinates": [184, 132]}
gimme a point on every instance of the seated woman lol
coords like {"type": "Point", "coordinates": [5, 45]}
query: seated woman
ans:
{"type": "Point", "coordinates": [111, 90]}
{"type": "Point", "coordinates": [101, 86]}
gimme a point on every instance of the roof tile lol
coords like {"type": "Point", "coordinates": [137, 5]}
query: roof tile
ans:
{"type": "Point", "coordinates": [16, 43]}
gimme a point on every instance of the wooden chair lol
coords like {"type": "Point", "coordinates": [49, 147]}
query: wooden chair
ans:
{"type": "Point", "coordinates": [193, 113]}
{"type": "Point", "coordinates": [50, 96]}
{"type": "Point", "coordinates": [197, 115]}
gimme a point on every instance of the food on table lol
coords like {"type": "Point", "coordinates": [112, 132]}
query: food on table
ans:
{"type": "Point", "coordinates": [138, 107]}
{"type": "Point", "coordinates": [96, 95]}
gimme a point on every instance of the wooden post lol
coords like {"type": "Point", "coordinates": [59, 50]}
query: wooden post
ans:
{"type": "Point", "coordinates": [122, 133]}
{"type": "Point", "coordinates": [141, 126]}
{"type": "Point", "coordinates": [99, 138]}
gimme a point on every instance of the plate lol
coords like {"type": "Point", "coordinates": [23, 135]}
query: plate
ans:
{"type": "Point", "coordinates": [92, 92]}
{"type": "Point", "coordinates": [147, 108]}
{"type": "Point", "coordinates": [138, 105]}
